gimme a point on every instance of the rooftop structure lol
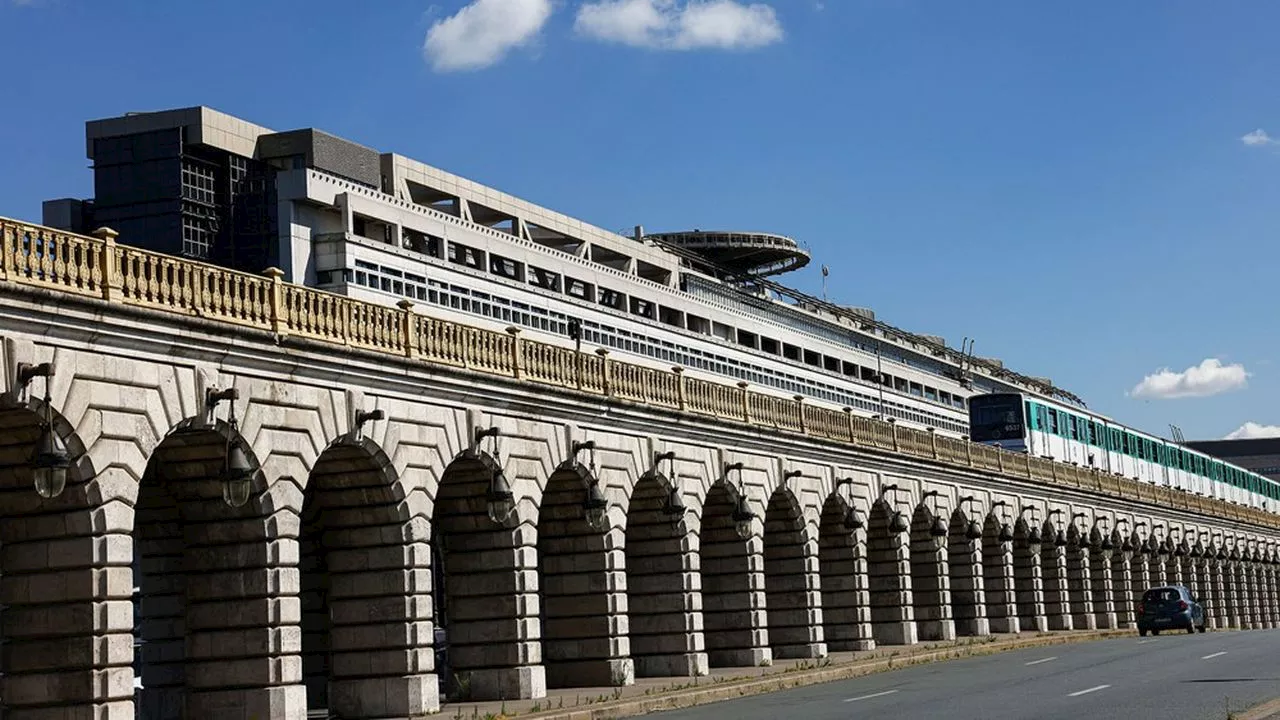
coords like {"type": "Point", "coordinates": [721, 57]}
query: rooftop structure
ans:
{"type": "Point", "coordinates": [743, 255]}
{"type": "Point", "coordinates": [1261, 455]}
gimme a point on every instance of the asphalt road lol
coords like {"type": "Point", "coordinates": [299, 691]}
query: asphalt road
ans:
{"type": "Point", "coordinates": [1172, 677]}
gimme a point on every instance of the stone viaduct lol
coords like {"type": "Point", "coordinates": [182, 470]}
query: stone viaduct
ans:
{"type": "Point", "coordinates": [291, 498]}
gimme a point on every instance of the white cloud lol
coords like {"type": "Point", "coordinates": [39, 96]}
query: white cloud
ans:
{"type": "Point", "coordinates": [1252, 430]}
{"type": "Point", "coordinates": [1210, 377]}
{"type": "Point", "coordinates": [680, 24]}
{"type": "Point", "coordinates": [481, 34]}
{"type": "Point", "coordinates": [1258, 137]}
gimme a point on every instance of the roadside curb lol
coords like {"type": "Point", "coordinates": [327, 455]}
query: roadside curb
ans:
{"type": "Point", "coordinates": [1266, 711]}
{"type": "Point", "coordinates": [784, 680]}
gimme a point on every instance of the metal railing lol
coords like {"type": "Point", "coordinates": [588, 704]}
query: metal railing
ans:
{"type": "Point", "coordinates": [98, 267]}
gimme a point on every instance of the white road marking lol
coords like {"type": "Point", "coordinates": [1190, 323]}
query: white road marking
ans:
{"type": "Point", "coordinates": [1210, 657]}
{"type": "Point", "coordinates": [872, 695]}
{"type": "Point", "coordinates": [1086, 692]}
{"type": "Point", "coordinates": [1144, 642]}
{"type": "Point", "coordinates": [1041, 660]}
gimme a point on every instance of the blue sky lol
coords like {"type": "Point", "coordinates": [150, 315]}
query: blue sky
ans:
{"type": "Point", "coordinates": [1068, 183]}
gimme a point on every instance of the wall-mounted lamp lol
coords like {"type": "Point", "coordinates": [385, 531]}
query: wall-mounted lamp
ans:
{"type": "Point", "coordinates": [792, 474]}
{"type": "Point", "coordinates": [673, 507]}
{"type": "Point", "coordinates": [972, 531]}
{"type": "Point", "coordinates": [365, 416]}
{"type": "Point", "coordinates": [852, 520]}
{"type": "Point", "coordinates": [743, 518]}
{"type": "Point", "coordinates": [595, 506]}
{"type": "Point", "coordinates": [1059, 538]}
{"type": "Point", "coordinates": [898, 523]}
{"type": "Point", "coordinates": [1006, 530]}
{"type": "Point", "coordinates": [938, 526]}
{"type": "Point", "coordinates": [1034, 541]}
{"type": "Point", "coordinates": [1083, 540]}
{"type": "Point", "coordinates": [500, 502]}
{"type": "Point", "coordinates": [237, 471]}
{"type": "Point", "coordinates": [50, 461]}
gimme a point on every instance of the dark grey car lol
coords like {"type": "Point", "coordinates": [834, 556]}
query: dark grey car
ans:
{"type": "Point", "coordinates": [1171, 607]}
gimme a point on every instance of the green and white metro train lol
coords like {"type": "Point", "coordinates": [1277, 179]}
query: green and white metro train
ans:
{"type": "Point", "coordinates": [1032, 424]}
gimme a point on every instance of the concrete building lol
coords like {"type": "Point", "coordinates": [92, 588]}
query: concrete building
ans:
{"type": "Point", "coordinates": [305, 487]}
{"type": "Point", "coordinates": [1261, 455]}
{"type": "Point", "coordinates": [382, 227]}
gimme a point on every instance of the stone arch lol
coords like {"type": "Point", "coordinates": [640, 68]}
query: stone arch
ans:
{"type": "Point", "coordinates": [365, 592]}
{"type": "Point", "coordinates": [663, 585]}
{"type": "Point", "coordinates": [65, 624]}
{"type": "Point", "coordinates": [217, 585]}
{"type": "Point", "coordinates": [842, 562]}
{"type": "Point", "coordinates": [485, 598]}
{"type": "Point", "coordinates": [1079, 579]}
{"type": "Point", "coordinates": [889, 577]}
{"type": "Point", "coordinates": [1026, 578]}
{"type": "Point", "coordinates": [997, 576]}
{"type": "Point", "coordinates": [583, 582]}
{"type": "Point", "coordinates": [1053, 571]}
{"type": "Point", "coordinates": [930, 596]}
{"type": "Point", "coordinates": [964, 565]}
{"type": "Point", "coordinates": [733, 605]}
{"type": "Point", "coordinates": [793, 595]}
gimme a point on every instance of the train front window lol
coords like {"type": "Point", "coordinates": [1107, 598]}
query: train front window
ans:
{"type": "Point", "coordinates": [995, 417]}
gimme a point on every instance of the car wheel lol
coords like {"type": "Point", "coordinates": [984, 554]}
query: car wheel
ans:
{"type": "Point", "coordinates": [1142, 633]}
{"type": "Point", "coordinates": [1155, 632]}
{"type": "Point", "coordinates": [1191, 629]}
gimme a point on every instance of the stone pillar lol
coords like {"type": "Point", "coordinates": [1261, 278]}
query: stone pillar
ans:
{"type": "Point", "coordinates": [1121, 592]}
{"type": "Point", "coordinates": [997, 584]}
{"type": "Point", "coordinates": [930, 589]}
{"type": "Point", "coordinates": [846, 603]}
{"type": "Point", "coordinates": [1139, 582]}
{"type": "Point", "coordinates": [68, 616]}
{"type": "Point", "coordinates": [1204, 581]}
{"type": "Point", "coordinates": [1030, 589]}
{"type": "Point", "coordinates": [968, 599]}
{"type": "Point", "coordinates": [1173, 570]}
{"type": "Point", "coordinates": [889, 576]}
{"type": "Point", "coordinates": [664, 589]}
{"type": "Point", "coordinates": [243, 613]}
{"type": "Point", "coordinates": [584, 605]}
{"type": "Point", "coordinates": [161, 602]}
{"type": "Point", "coordinates": [1274, 605]}
{"type": "Point", "coordinates": [1251, 579]}
{"type": "Point", "coordinates": [1080, 590]}
{"type": "Point", "coordinates": [794, 597]}
{"type": "Point", "coordinates": [493, 625]}
{"type": "Point", "coordinates": [1102, 594]}
{"type": "Point", "coordinates": [1156, 576]}
{"type": "Point", "coordinates": [733, 601]}
{"type": "Point", "coordinates": [1230, 593]}
{"type": "Point", "coordinates": [1053, 566]}
{"type": "Point", "coordinates": [1264, 602]}
{"type": "Point", "coordinates": [1221, 590]}
{"type": "Point", "coordinates": [379, 604]}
